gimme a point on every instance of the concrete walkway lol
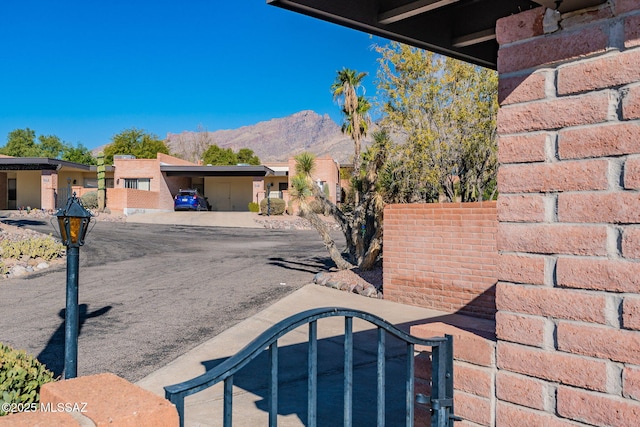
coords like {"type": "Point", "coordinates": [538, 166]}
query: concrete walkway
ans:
{"type": "Point", "coordinates": [250, 403]}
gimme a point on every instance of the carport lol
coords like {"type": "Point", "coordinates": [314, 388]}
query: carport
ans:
{"type": "Point", "coordinates": [40, 182]}
{"type": "Point", "coordinates": [230, 188]}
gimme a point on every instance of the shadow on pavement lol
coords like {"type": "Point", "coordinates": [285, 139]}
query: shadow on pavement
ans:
{"type": "Point", "coordinates": [53, 354]}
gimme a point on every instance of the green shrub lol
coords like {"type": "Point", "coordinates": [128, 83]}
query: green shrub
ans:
{"type": "Point", "coordinates": [41, 247]}
{"type": "Point", "coordinates": [316, 206]}
{"type": "Point", "coordinates": [90, 200]}
{"type": "Point", "coordinates": [277, 206]}
{"type": "Point", "coordinates": [254, 207]}
{"type": "Point", "coordinates": [21, 376]}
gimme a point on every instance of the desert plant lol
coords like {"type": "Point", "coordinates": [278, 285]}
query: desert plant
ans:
{"type": "Point", "coordinates": [41, 247]}
{"type": "Point", "coordinates": [90, 200]}
{"type": "Point", "coordinates": [21, 377]}
{"type": "Point", "coordinates": [254, 207]}
{"type": "Point", "coordinates": [277, 206]}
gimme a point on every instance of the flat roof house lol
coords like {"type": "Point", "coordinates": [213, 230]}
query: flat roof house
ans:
{"type": "Point", "coordinates": [149, 185]}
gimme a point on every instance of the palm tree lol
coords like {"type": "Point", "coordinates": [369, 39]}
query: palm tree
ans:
{"type": "Point", "coordinates": [354, 108]}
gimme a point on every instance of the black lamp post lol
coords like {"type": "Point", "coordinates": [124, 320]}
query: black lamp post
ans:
{"type": "Point", "coordinates": [269, 185]}
{"type": "Point", "coordinates": [73, 221]}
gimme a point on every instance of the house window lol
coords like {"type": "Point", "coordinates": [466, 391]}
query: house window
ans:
{"type": "Point", "coordinates": [138, 183]}
{"type": "Point", "coordinates": [93, 182]}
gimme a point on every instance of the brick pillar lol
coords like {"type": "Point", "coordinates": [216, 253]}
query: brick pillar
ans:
{"type": "Point", "coordinates": [568, 296]}
{"type": "Point", "coordinates": [48, 188]}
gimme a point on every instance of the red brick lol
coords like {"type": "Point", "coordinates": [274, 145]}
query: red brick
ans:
{"type": "Point", "coordinates": [631, 313]}
{"type": "Point", "coordinates": [602, 72]}
{"type": "Point", "coordinates": [631, 103]}
{"type": "Point", "coordinates": [597, 341]}
{"type": "Point", "coordinates": [422, 365]}
{"type": "Point", "coordinates": [517, 416]}
{"type": "Point", "coordinates": [520, 329]}
{"type": "Point", "coordinates": [551, 49]}
{"type": "Point", "coordinates": [521, 390]}
{"type": "Point", "coordinates": [586, 16]}
{"type": "Point", "coordinates": [473, 379]}
{"type": "Point", "coordinates": [522, 148]}
{"type": "Point", "coordinates": [632, 31]}
{"type": "Point", "coordinates": [612, 208]}
{"type": "Point", "coordinates": [521, 26]}
{"type": "Point", "coordinates": [631, 382]}
{"type": "Point", "coordinates": [552, 239]}
{"type": "Point", "coordinates": [512, 90]}
{"type": "Point", "coordinates": [521, 269]}
{"type": "Point", "coordinates": [553, 366]}
{"type": "Point", "coordinates": [472, 408]}
{"type": "Point", "coordinates": [547, 177]}
{"type": "Point", "coordinates": [598, 274]}
{"type": "Point", "coordinates": [624, 6]}
{"type": "Point", "coordinates": [596, 409]}
{"type": "Point", "coordinates": [599, 141]}
{"type": "Point", "coordinates": [559, 303]}
{"type": "Point", "coordinates": [521, 208]}
{"type": "Point", "coordinates": [557, 113]}
{"type": "Point", "coordinates": [468, 346]}
{"type": "Point", "coordinates": [632, 173]}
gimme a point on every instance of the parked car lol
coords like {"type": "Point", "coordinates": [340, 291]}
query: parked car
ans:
{"type": "Point", "coordinates": [190, 200]}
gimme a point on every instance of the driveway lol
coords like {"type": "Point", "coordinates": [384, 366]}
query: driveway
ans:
{"type": "Point", "coordinates": [149, 293]}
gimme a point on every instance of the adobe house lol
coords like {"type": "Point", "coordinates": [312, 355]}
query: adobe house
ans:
{"type": "Point", "coordinates": [149, 185]}
{"type": "Point", "coordinates": [566, 288]}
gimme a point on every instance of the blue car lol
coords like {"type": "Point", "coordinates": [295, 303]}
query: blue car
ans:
{"type": "Point", "coordinates": [189, 200]}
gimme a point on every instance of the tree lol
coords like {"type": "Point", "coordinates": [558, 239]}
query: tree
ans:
{"type": "Point", "coordinates": [50, 146]}
{"type": "Point", "coordinates": [78, 154]}
{"type": "Point", "coordinates": [21, 143]}
{"type": "Point", "coordinates": [354, 107]}
{"type": "Point", "coordinates": [246, 155]}
{"type": "Point", "coordinates": [302, 191]}
{"type": "Point", "coordinates": [226, 156]}
{"type": "Point", "coordinates": [219, 156]}
{"type": "Point", "coordinates": [444, 113]}
{"type": "Point", "coordinates": [363, 226]}
{"type": "Point", "coordinates": [136, 142]}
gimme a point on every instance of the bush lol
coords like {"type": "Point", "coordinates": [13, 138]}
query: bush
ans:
{"type": "Point", "coordinates": [21, 377]}
{"type": "Point", "coordinates": [277, 206]}
{"type": "Point", "coordinates": [41, 247]}
{"type": "Point", "coordinates": [90, 200]}
{"type": "Point", "coordinates": [254, 207]}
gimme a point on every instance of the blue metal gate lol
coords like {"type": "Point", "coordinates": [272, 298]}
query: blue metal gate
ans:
{"type": "Point", "coordinates": [440, 401]}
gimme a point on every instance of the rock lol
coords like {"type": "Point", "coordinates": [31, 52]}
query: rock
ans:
{"type": "Point", "coordinates": [333, 284]}
{"type": "Point", "coordinates": [18, 270]}
{"type": "Point", "coordinates": [369, 291]}
{"type": "Point", "coordinates": [42, 265]}
{"type": "Point", "coordinates": [318, 277]}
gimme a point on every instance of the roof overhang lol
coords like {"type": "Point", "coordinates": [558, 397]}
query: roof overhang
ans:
{"type": "Point", "coordinates": [462, 29]}
{"type": "Point", "coordinates": [257, 171]}
{"type": "Point", "coordinates": [38, 163]}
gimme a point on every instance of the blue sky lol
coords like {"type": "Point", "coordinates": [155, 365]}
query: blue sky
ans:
{"type": "Point", "coordinates": [86, 70]}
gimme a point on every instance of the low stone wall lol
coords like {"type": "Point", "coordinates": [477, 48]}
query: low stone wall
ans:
{"type": "Point", "coordinates": [96, 400]}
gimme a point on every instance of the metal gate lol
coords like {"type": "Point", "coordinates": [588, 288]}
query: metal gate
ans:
{"type": "Point", "coordinates": [440, 401]}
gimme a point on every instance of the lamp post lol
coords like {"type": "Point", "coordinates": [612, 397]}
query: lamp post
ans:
{"type": "Point", "coordinates": [73, 221]}
{"type": "Point", "coordinates": [269, 185]}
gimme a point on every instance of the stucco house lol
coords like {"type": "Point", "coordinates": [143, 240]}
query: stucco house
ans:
{"type": "Point", "coordinates": [149, 185]}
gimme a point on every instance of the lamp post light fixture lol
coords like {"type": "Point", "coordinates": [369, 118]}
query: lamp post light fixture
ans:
{"type": "Point", "coordinates": [73, 221]}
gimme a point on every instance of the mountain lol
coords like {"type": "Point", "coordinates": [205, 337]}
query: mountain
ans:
{"type": "Point", "coordinates": [273, 141]}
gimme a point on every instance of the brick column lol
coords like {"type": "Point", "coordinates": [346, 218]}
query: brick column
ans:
{"type": "Point", "coordinates": [568, 298]}
{"type": "Point", "coordinates": [48, 189]}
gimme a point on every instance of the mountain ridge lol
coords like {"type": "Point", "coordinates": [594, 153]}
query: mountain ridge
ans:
{"type": "Point", "coordinates": [274, 140]}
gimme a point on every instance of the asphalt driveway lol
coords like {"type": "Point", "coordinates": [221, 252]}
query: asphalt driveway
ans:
{"type": "Point", "coordinates": [149, 293]}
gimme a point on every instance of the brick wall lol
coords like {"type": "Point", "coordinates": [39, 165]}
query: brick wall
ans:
{"type": "Point", "coordinates": [441, 256]}
{"type": "Point", "coordinates": [567, 297]}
